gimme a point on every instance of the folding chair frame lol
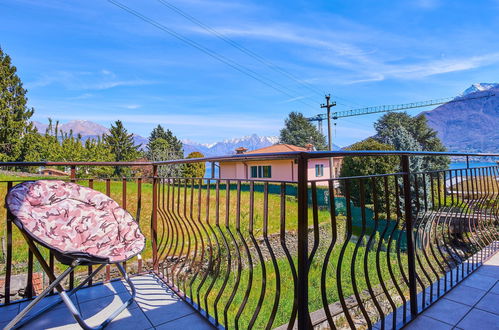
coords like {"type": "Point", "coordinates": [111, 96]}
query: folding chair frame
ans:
{"type": "Point", "coordinates": [18, 321]}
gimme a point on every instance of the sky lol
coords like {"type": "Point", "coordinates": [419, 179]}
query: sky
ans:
{"type": "Point", "coordinates": [246, 64]}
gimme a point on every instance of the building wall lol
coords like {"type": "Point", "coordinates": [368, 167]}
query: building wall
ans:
{"type": "Point", "coordinates": [282, 170]}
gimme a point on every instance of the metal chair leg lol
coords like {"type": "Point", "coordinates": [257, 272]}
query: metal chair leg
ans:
{"type": "Point", "coordinates": [65, 297]}
{"type": "Point", "coordinates": [79, 319]}
{"type": "Point", "coordinates": [15, 322]}
{"type": "Point", "coordinates": [44, 294]}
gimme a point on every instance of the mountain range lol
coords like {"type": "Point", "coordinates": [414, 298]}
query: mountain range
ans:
{"type": "Point", "coordinates": [91, 130]}
{"type": "Point", "coordinates": [471, 125]}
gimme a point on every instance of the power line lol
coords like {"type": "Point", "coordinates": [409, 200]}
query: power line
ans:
{"type": "Point", "coordinates": [250, 53]}
{"type": "Point", "coordinates": [236, 66]}
{"type": "Point", "coordinates": [240, 47]}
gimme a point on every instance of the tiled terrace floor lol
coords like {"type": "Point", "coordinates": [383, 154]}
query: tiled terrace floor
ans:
{"type": "Point", "coordinates": [155, 307]}
{"type": "Point", "coordinates": [473, 304]}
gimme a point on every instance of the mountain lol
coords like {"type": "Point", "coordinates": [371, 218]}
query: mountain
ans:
{"type": "Point", "coordinates": [480, 87]}
{"type": "Point", "coordinates": [472, 125]}
{"type": "Point", "coordinates": [227, 147]}
{"type": "Point", "coordinates": [84, 127]}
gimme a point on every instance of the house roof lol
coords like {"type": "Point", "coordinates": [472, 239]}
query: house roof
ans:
{"type": "Point", "coordinates": [54, 171]}
{"type": "Point", "coordinates": [276, 148]}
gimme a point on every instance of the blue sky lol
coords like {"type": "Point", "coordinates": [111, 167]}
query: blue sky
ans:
{"type": "Point", "coordinates": [91, 60]}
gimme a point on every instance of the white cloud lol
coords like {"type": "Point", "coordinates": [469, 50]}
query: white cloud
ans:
{"type": "Point", "coordinates": [133, 106]}
{"type": "Point", "coordinates": [82, 80]}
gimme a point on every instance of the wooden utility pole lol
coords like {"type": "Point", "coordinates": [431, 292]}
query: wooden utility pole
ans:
{"type": "Point", "coordinates": [328, 107]}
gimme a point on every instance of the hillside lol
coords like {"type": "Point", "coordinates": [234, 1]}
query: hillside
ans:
{"type": "Point", "coordinates": [472, 125]}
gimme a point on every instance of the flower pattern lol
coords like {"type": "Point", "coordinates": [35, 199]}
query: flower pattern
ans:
{"type": "Point", "coordinates": [73, 219]}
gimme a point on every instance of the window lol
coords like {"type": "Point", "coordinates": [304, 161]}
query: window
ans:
{"type": "Point", "coordinates": [267, 171]}
{"type": "Point", "coordinates": [254, 171]}
{"type": "Point", "coordinates": [261, 171]}
{"type": "Point", "coordinates": [319, 170]}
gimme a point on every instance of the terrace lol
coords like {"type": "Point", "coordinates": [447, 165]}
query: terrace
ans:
{"type": "Point", "coordinates": [359, 252]}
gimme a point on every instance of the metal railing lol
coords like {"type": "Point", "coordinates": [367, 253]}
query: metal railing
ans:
{"type": "Point", "coordinates": [342, 252]}
{"type": "Point", "coordinates": [16, 260]}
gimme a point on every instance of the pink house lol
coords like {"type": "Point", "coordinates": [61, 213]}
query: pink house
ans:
{"type": "Point", "coordinates": [277, 170]}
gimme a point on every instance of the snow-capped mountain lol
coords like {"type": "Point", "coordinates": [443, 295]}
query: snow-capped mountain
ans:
{"type": "Point", "coordinates": [470, 125]}
{"type": "Point", "coordinates": [479, 87]}
{"type": "Point", "coordinates": [228, 146]}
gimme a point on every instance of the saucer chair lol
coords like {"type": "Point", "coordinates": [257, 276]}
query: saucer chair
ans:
{"type": "Point", "coordinates": [81, 227]}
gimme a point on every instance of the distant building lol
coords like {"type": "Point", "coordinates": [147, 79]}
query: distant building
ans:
{"type": "Point", "coordinates": [52, 172]}
{"type": "Point", "coordinates": [275, 169]}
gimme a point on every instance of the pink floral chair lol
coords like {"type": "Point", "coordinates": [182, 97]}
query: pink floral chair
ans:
{"type": "Point", "coordinates": [80, 226]}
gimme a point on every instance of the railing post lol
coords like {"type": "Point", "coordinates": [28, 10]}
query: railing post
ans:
{"type": "Point", "coordinates": [411, 260]}
{"type": "Point", "coordinates": [73, 173]}
{"type": "Point", "coordinates": [154, 218]}
{"type": "Point", "coordinates": [8, 259]}
{"type": "Point", "coordinates": [304, 321]}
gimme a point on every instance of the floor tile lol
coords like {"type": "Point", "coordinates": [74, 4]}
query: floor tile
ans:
{"type": "Point", "coordinates": [447, 311]}
{"type": "Point", "coordinates": [494, 260]}
{"type": "Point", "coordinates": [47, 301]}
{"type": "Point", "coordinates": [495, 288]}
{"type": "Point", "coordinates": [192, 321]}
{"type": "Point", "coordinates": [99, 291]}
{"type": "Point", "coordinates": [466, 295]}
{"type": "Point", "coordinates": [128, 319]}
{"type": "Point", "coordinates": [425, 323]}
{"type": "Point", "coordinates": [478, 319]}
{"type": "Point", "coordinates": [480, 282]}
{"type": "Point", "coordinates": [489, 270]}
{"type": "Point", "coordinates": [161, 306]}
{"type": "Point", "coordinates": [489, 303]}
{"type": "Point", "coordinates": [60, 318]}
{"type": "Point", "coordinates": [157, 301]}
{"type": "Point", "coordinates": [103, 307]}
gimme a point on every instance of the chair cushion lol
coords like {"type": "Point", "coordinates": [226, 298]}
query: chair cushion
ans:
{"type": "Point", "coordinates": [75, 220]}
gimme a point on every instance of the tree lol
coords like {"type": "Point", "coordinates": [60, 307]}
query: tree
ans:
{"type": "Point", "coordinates": [176, 146]}
{"type": "Point", "coordinates": [423, 136]}
{"type": "Point", "coordinates": [121, 145]}
{"type": "Point", "coordinates": [368, 165]}
{"type": "Point", "coordinates": [299, 131]}
{"type": "Point", "coordinates": [14, 112]}
{"type": "Point", "coordinates": [163, 146]}
{"type": "Point", "coordinates": [97, 151]}
{"type": "Point", "coordinates": [194, 170]}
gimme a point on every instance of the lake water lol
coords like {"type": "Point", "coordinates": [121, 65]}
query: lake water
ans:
{"type": "Point", "coordinates": [462, 165]}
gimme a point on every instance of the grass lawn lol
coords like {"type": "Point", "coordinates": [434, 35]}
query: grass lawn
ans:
{"type": "Point", "coordinates": [178, 235]}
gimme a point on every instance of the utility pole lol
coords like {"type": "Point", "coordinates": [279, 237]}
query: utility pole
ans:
{"type": "Point", "coordinates": [328, 106]}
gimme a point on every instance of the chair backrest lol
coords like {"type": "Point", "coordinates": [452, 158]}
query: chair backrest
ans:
{"type": "Point", "coordinates": [75, 221]}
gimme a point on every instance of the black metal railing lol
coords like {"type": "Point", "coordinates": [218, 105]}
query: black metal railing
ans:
{"type": "Point", "coordinates": [343, 252]}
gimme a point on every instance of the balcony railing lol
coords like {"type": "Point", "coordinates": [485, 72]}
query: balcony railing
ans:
{"type": "Point", "coordinates": [342, 252]}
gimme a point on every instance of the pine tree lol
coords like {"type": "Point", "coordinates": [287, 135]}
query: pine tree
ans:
{"type": "Point", "coordinates": [300, 132]}
{"type": "Point", "coordinates": [121, 146]}
{"type": "Point", "coordinates": [14, 112]}
{"type": "Point", "coordinates": [175, 145]}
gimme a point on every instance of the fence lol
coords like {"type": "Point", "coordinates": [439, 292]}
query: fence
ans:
{"type": "Point", "coordinates": [264, 254]}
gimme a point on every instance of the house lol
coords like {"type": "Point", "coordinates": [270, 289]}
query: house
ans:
{"type": "Point", "coordinates": [275, 169]}
{"type": "Point", "coordinates": [52, 172]}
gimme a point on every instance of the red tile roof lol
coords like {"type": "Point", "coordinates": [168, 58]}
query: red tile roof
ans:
{"type": "Point", "coordinates": [276, 148]}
